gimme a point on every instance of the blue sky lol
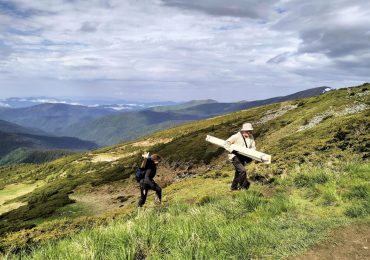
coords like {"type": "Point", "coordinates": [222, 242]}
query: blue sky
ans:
{"type": "Point", "coordinates": [181, 49]}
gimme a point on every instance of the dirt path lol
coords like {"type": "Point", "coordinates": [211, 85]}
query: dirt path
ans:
{"type": "Point", "coordinates": [352, 243]}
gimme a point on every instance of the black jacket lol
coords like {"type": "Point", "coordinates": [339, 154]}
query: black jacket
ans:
{"type": "Point", "coordinates": [150, 172]}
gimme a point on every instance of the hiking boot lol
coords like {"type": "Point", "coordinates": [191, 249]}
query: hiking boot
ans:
{"type": "Point", "coordinates": [246, 187]}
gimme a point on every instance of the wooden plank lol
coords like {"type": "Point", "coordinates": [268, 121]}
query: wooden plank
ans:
{"type": "Point", "coordinates": [253, 154]}
{"type": "Point", "coordinates": [145, 159]}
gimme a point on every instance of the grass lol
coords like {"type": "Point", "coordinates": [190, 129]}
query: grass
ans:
{"type": "Point", "coordinates": [12, 191]}
{"type": "Point", "coordinates": [197, 223]}
{"type": "Point", "coordinates": [328, 144]}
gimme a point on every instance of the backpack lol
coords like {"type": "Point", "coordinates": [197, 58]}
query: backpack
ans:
{"type": "Point", "coordinates": [139, 174]}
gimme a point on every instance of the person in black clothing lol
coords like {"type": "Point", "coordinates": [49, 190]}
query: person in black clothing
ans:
{"type": "Point", "coordinates": [147, 183]}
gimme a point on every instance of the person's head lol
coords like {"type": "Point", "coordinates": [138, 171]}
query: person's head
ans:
{"type": "Point", "coordinates": [156, 158]}
{"type": "Point", "coordinates": [247, 130]}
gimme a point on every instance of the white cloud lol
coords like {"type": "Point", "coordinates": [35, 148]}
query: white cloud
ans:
{"type": "Point", "coordinates": [179, 50]}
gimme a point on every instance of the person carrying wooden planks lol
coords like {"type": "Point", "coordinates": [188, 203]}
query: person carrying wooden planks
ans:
{"type": "Point", "coordinates": [245, 139]}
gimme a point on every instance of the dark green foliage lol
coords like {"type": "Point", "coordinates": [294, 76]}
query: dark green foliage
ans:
{"type": "Point", "coordinates": [310, 179]}
{"type": "Point", "coordinates": [361, 191]}
{"type": "Point", "coordinates": [250, 201]}
{"type": "Point", "coordinates": [22, 155]}
{"type": "Point", "coordinates": [358, 210]}
{"type": "Point", "coordinates": [205, 200]}
{"type": "Point", "coordinates": [112, 174]}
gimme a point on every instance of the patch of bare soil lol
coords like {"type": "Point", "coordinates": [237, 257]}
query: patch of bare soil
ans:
{"type": "Point", "coordinates": [351, 242]}
{"type": "Point", "coordinates": [110, 157]}
{"type": "Point", "coordinates": [106, 197]}
{"type": "Point", "coordinates": [151, 142]}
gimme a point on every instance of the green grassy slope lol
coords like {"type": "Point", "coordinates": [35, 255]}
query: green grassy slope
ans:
{"type": "Point", "coordinates": [324, 131]}
{"type": "Point", "coordinates": [202, 220]}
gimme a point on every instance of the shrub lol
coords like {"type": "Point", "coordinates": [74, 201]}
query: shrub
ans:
{"type": "Point", "coordinates": [361, 191]}
{"type": "Point", "coordinates": [250, 201]}
{"type": "Point", "coordinates": [205, 200]}
{"type": "Point", "coordinates": [309, 179]}
{"type": "Point", "coordinates": [329, 195]}
{"type": "Point", "coordinates": [358, 210]}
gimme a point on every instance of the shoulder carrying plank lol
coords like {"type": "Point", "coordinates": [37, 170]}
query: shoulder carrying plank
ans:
{"type": "Point", "coordinates": [255, 155]}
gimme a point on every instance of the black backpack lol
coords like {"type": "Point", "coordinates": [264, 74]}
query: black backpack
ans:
{"type": "Point", "coordinates": [139, 174]}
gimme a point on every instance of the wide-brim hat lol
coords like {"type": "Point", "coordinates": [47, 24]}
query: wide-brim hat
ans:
{"type": "Point", "coordinates": [247, 127]}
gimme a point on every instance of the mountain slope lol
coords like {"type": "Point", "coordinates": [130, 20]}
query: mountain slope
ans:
{"type": "Point", "coordinates": [320, 145]}
{"type": "Point", "coordinates": [8, 127]}
{"type": "Point", "coordinates": [10, 142]}
{"type": "Point", "coordinates": [121, 127]}
{"type": "Point", "coordinates": [53, 118]}
{"type": "Point", "coordinates": [126, 126]}
{"type": "Point", "coordinates": [182, 106]}
{"type": "Point", "coordinates": [19, 144]}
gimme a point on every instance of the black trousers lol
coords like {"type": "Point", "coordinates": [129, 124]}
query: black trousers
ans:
{"type": "Point", "coordinates": [144, 189]}
{"type": "Point", "coordinates": [240, 179]}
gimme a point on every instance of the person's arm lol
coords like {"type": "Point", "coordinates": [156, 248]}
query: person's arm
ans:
{"type": "Point", "coordinates": [229, 142]}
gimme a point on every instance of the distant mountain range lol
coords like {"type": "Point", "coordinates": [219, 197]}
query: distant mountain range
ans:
{"type": "Point", "coordinates": [19, 144]}
{"type": "Point", "coordinates": [106, 126]}
{"type": "Point", "coordinates": [109, 104]}
{"type": "Point", "coordinates": [214, 108]}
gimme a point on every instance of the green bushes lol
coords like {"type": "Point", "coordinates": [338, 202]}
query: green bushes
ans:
{"type": "Point", "coordinates": [357, 210]}
{"type": "Point", "coordinates": [361, 191]}
{"type": "Point", "coordinates": [250, 201]}
{"type": "Point", "coordinates": [309, 179]}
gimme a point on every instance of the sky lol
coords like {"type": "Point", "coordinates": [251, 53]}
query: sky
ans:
{"type": "Point", "coordinates": [151, 50]}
